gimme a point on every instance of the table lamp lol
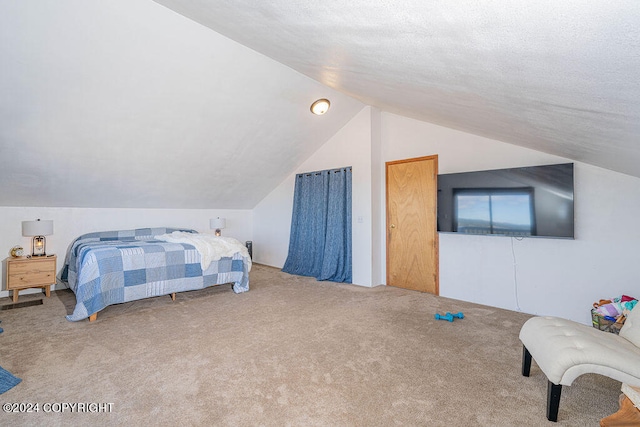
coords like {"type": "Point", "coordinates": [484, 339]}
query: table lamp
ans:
{"type": "Point", "coordinates": [38, 229]}
{"type": "Point", "coordinates": [218, 224]}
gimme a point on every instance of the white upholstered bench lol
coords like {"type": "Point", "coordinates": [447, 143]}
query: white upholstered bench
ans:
{"type": "Point", "coordinates": [564, 350]}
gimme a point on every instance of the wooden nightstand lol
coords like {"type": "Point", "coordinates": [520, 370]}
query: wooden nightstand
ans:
{"type": "Point", "coordinates": [34, 272]}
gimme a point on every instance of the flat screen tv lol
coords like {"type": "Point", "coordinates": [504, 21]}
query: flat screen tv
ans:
{"type": "Point", "coordinates": [534, 201]}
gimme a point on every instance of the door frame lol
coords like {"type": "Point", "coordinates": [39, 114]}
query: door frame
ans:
{"type": "Point", "coordinates": [436, 242]}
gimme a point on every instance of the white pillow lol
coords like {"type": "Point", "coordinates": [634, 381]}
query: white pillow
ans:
{"type": "Point", "coordinates": [631, 328]}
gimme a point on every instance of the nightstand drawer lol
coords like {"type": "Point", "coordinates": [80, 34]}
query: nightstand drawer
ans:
{"type": "Point", "coordinates": [31, 273]}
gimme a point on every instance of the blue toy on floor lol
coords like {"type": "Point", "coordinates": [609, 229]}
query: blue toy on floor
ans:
{"type": "Point", "coordinates": [448, 316]}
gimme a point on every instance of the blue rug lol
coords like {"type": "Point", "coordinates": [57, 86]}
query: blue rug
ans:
{"type": "Point", "coordinates": [7, 381]}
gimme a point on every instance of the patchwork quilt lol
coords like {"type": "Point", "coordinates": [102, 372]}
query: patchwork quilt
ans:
{"type": "Point", "coordinates": [112, 267]}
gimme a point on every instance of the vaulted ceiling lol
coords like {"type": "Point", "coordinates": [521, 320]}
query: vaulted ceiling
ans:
{"type": "Point", "coordinates": [120, 103]}
{"type": "Point", "coordinates": [124, 103]}
{"type": "Point", "coordinates": [556, 76]}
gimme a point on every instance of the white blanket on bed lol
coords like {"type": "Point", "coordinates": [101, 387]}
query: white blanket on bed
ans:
{"type": "Point", "coordinates": [211, 248]}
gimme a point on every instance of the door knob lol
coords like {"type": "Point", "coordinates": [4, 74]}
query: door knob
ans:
{"type": "Point", "coordinates": [393, 226]}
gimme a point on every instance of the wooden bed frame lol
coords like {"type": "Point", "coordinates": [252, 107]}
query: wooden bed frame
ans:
{"type": "Point", "coordinates": [94, 316]}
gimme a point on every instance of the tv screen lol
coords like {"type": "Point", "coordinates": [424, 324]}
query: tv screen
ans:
{"type": "Point", "coordinates": [534, 201]}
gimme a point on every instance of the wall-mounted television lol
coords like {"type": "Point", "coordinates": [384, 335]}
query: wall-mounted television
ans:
{"type": "Point", "coordinates": [535, 201]}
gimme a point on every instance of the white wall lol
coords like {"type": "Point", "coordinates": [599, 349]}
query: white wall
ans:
{"type": "Point", "coordinates": [350, 146]}
{"type": "Point", "coordinates": [535, 275]}
{"type": "Point", "coordinates": [549, 276]}
{"type": "Point", "coordinates": [69, 223]}
{"type": "Point", "coordinates": [378, 209]}
{"type": "Point", "coordinates": [560, 277]}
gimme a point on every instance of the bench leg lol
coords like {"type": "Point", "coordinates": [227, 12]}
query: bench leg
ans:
{"type": "Point", "coordinates": [553, 400]}
{"type": "Point", "coordinates": [526, 362]}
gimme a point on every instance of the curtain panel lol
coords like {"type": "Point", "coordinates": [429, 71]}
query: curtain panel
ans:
{"type": "Point", "coordinates": [320, 241]}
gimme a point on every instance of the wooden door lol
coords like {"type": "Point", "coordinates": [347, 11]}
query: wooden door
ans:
{"type": "Point", "coordinates": [412, 237]}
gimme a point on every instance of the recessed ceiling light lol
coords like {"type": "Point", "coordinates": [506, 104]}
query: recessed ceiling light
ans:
{"type": "Point", "coordinates": [320, 107]}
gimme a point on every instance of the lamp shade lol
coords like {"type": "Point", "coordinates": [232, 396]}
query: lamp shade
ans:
{"type": "Point", "coordinates": [37, 228]}
{"type": "Point", "coordinates": [217, 223]}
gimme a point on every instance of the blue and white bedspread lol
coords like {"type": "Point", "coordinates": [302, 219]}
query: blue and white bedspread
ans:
{"type": "Point", "coordinates": [118, 266]}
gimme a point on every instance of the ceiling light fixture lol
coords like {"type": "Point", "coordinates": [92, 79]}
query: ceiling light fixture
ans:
{"type": "Point", "coordinates": [320, 107]}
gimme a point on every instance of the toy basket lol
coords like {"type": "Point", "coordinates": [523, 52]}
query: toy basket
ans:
{"type": "Point", "coordinates": [599, 322]}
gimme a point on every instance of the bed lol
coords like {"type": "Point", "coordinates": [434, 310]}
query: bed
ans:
{"type": "Point", "coordinates": [111, 267]}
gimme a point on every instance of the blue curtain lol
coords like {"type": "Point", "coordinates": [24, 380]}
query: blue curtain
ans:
{"type": "Point", "coordinates": [320, 241]}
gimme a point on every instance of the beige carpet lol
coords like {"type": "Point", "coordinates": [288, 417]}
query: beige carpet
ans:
{"type": "Point", "coordinates": [291, 351]}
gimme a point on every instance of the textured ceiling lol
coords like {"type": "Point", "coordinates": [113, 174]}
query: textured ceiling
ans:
{"type": "Point", "coordinates": [128, 103]}
{"type": "Point", "coordinates": [558, 77]}
{"type": "Point", "coordinates": [125, 103]}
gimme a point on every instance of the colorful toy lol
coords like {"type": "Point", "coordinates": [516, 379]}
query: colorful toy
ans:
{"type": "Point", "coordinates": [449, 317]}
{"type": "Point", "coordinates": [613, 309]}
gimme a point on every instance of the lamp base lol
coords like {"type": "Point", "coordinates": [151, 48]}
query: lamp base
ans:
{"type": "Point", "coordinates": [38, 245]}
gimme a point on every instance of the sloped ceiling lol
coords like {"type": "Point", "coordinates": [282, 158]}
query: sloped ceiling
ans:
{"type": "Point", "coordinates": [560, 77]}
{"type": "Point", "coordinates": [128, 103]}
